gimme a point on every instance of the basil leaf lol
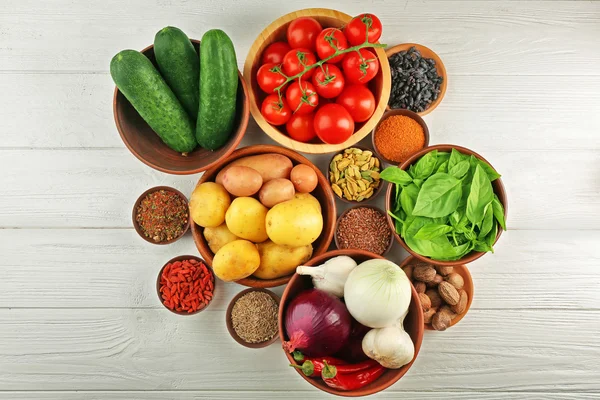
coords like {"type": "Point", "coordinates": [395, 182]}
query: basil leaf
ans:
{"type": "Point", "coordinates": [396, 175]}
{"type": "Point", "coordinates": [491, 237]}
{"type": "Point", "coordinates": [432, 231]}
{"type": "Point", "coordinates": [461, 250]}
{"type": "Point", "coordinates": [443, 167]}
{"type": "Point", "coordinates": [411, 170]}
{"type": "Point", "coordinates": [491, 172]}
{"type": "Point", "coordinates": [418, 182]}
{"type": "Point", "coordinates": [460, 169]}
{"type": "Point", "coordinates": [498, 211]}
{"type": "Point", "coordinates": [425, 166]}
{"type": "Point", "coordinates": [442, 157]}
{"type": "Point", "coordinates": [438, 248]}
{"type": "Point", "coordinates": [408, 198]}
{"type": "Point", "coordinates": [480, 195]}
{"type": "Point", "coordinates": [439, 196]}
{"type": "Point", "coordinates": [482, 246]}
{"type": "Point", "coordinates": [488, 221]}
{"type": "Point", "coordinates": [407, 223]}
{"type": "Point", "coordinates": [470, 235]}
{"type": "Point", "coordinates": [397, 189]}
{"type": "Point", "coordinates": [394, 216]}
{"type": "Point", "coordinates": [455, 157]}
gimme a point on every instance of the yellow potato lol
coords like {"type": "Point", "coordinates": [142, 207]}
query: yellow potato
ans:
{"type": "Point", "coordinates": [236, 260]}
{"type": "Point", "coordinates": [277, 261]}
{"type": "Point", "coordinates": [296, 222]}
{"type": "Point", "coordinates": [218, 237]}
{"type": "Point", "coordinates": [208, 204]}
{"type": "Point", "coordinates": [310, 198]}
{"type": "Point", "coordinates": [246, 217]}
{"type": "Point", "coordinates": [269, 166]}
{"type": "Point", "coordinates": [242, 181]}
{"type": "Point", "coordinates": [276, 191]}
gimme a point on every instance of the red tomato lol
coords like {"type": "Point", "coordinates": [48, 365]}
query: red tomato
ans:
{"type": "Point", "coordinates": [276, 111]}
{"type": "Point", "coordinates": [356, 30]}
{"type": "Point", "coordinates": [301, 127]}
{"type": "Point", "coordinates": [333, 124]}
{"type": "Point", "coordinates": [328, 42]}
{"type": "Point", "coordinates": [329, 81]}
{"type": "Point", "coordinates": [275, 52]}
{"type": "Point", "coordinates": [360, 69]}
{"type": "Point", "coordinates": [303, 32]}
{"type": "Point", "coordinates": [359, 101]}
{"type": "Point", "coordinates": [295, 61]}
{"type": "Point", "coordinates": [269, 77]}
{"type": "Point", "coordinates": [302, 98]}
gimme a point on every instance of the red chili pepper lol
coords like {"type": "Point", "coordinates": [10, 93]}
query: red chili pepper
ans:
{"type": "Point", "coordinates": [351, 368]}
{"type": "Point", "coordinates": [350, 381]}
{"type": "Point", "coordinates": [312, 366]}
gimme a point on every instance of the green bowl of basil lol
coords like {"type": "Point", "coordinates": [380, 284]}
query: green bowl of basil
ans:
{"type": "Point", "coordinates": [446, 205]}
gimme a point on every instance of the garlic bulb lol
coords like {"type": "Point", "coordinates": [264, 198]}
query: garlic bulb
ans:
{"type": "Point", "coordinates": [331, 276]}
{"type": "Point", "coordinates": [391, 347]}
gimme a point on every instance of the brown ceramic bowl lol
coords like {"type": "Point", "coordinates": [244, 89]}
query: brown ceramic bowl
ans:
{"type": "Point", "coordinates": [323, 193]}
{"type": "Point", "coordinates": [337, 243]}
{"type": "Point", "coordinates": [276, 31]}
{"type": "Point", "coordinates": [145, 144]}
{"type": "Point", "coordinates": [441, 69]}
{"type": "Point", "coordinates": [463, 271]}
{"type": "Point", "coordinates": [375, 193]}
{"type": "Point", "coordinates": [413, 324]}
{"type": "Point", "coordinates": [406, 113]}
{"type": "Point", "coordinates": [229, 322]}
{"type": "Point", "coordinates": [136, 225]}
{"type": "Point", "coordinates": [181, 258]}
{"type": "Point", "coordinates": [497, 185]}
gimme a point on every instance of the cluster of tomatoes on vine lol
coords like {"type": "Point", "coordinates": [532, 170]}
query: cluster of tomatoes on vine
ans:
{"type": "Point", "coordinates": [316, 82]}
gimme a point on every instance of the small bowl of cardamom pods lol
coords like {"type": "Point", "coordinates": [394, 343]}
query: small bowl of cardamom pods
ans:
{"type": "Point", "coordinates": [354, 175]}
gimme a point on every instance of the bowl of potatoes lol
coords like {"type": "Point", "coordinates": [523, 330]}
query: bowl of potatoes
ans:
{"type": "Point", "coordinates": [260, 213]}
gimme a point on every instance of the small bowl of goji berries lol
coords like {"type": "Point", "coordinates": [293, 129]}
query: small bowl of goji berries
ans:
{"type": "Point", "coordinates": [185, 285]}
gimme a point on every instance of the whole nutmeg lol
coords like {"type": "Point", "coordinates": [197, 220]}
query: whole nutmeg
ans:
{"type": "Point", "coordinates": [448, 293]}
{"type": "Point", "coordinates": [424, 273]}
{"type": "Point", "coordinates": [425, 302]}
{"type": "Point", "coordinates": [440, 321]}
{"type": "Point", "coordinates": [436, 281]}
{"type": "Point", "coordinates": [461, 306]}
{"type": "Point", "coordinates": [408, 270]}
{"type": "Point", "coordinates": [455, 280]}
{"type": "Point", "coordinates": [434, 297]}
{"type": "Point", "coordinates": [428, 315]}
{"type": "Point", "coordinates": [447, 310]}
{"type": "Point", "coordinates": [444, 270]}
{"type": "Point", "coordinates": [420, 287]}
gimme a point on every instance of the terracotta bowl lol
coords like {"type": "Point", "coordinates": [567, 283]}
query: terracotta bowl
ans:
{"type": "Point", "coordinates": [229, 322]}
{"type": "Point", "coordinates": [276, 31]}
{"type": "Point", "coordinates": [406, 113]}
{"type": "Point", "coordinates": [337, 223]}
{"type": "Point", "coordinates": [463, 271]}
{"type": "Point", "coordinates": [323, 193]}
{"type": "Point", "coordinates": [497, 185]}
{"type": "Point", "coordinates": [181, 258]}
{"type": "Point", "coordinates": [413, 324]}
{"type": "Point", "coordinates": [136, 225]}
{"type": "Point", "coordinates": [441, 69]}
{"type": "Point", "coordinates": [375, 193]}
{"type": "Point", "coordinates": [141, 140]}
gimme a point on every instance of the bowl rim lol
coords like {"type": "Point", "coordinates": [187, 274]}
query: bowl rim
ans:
{"type": "Point", "coordinates": [281, 138]}
{"type": "Point", "coordinates": [153, 189]}
{"type": "Point", "coordinates": [406, 113]}
{"type": "Point", "coordinates": [243, 126]}
{"type": "Point", "coordinates": [441, 68]}
{"type": "Point", "coordinates": [463, 271]}
{"type": "Point", "coordinates": [473, 255]}
{"type": "Point", "coordinates": [342, 215]}
{"type": "Point", "coordinates": [404, 369]}
{"type": "Point", "coordinates": [229, 322]}
{"type": "Point", "coordinates": [181, 258]}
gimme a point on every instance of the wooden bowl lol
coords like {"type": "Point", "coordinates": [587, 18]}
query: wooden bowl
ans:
{"type": "Point", "coordinates": [497, 185]}
{"type": "Point", "coordinates": [145, 144]}
{"type": "Point", "coordinates": [136, 225]}
{"type": "Point", "coordinates": [337, 223]}
{"type": "Point", "coordinates": [413, 324]}
{"type": "Point", "coordinates": [323, 193]}
{"type": "Point", "coordinates": [375, 193]}
{"type": "Point", "coordinates": [229, 322]}
{"type": "Point", "coordinates": [181, 258]}
{"type": "Point", "coordinates": [276, 31]}
{"type": "Point", "coordinates": [407, 113]}
{"type": "Point", "coordinates": [439, 65]}
{"type": "Point", "coordinates": [463, 271]}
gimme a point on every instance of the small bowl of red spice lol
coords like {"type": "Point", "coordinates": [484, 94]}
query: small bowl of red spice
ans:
{"type": "Point", "coordinates": [398, 135]}
{"type": "Point", "coordinates": [185, 285]}
{"type": "Point", "coordinates": [161, 215]}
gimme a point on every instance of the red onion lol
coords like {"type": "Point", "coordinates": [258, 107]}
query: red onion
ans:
{"type": "Point", "coordinates": [317, 323]}
{"type": "Point", "coordinates": [353, 352]}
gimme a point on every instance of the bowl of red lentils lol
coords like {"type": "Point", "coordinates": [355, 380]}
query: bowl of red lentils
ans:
{"type": "Point", "coordinates": [185, 285]}
{"type": "Point", "coordinates": [364, 227]}
{"type": "Point", "coordinates": [161, 215]}
{"type": "Point", "coordinates": [398, 135]}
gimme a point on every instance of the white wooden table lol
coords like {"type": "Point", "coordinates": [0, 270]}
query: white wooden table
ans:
{"type": "Point", "coordinates": [79, 317]}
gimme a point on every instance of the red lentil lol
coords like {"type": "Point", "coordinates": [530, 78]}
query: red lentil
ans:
{"type": "Point", "coordinates": [186, 286]}
{"type": "Point", "coordinates": [162, 215]}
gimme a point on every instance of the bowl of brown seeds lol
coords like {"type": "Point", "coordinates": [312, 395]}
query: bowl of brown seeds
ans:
{"type": "Point", "coordinates": [364, 228]}
{"type": "Point", "coordinates": [251, 318]}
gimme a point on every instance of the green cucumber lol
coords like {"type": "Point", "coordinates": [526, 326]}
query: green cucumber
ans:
{"type": "Point", "coordinates": [218, 90]}
{"type": "Point", "coordinates": [142, 85]}
{"type": "Point", "coordinates": [179, 64]}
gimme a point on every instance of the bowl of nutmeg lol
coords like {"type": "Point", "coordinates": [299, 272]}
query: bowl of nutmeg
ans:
{"type": "Point", "coordinates": [445, 292]}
